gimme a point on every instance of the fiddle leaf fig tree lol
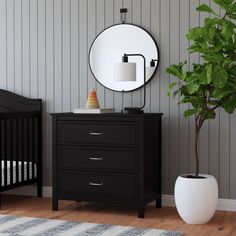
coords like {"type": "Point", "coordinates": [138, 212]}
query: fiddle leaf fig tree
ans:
{"type": "Point", "coordinates": [211, 84]}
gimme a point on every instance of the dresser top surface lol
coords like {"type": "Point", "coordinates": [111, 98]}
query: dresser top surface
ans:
{"type": "Point", "coordinates": [116, 114]}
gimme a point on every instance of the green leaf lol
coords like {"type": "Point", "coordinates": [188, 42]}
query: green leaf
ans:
{"type": "Point", "coordinates": [211, 22]}
{"type": "Point", "coordinates": [194, 33]}
{"type": "Point", "coordinates": [213, 57]}
{"type": "Point", "coordinates": [229, 104]}
{"type": "Point", "coordinates": [209, 73]}
{"type": "Point", "coordinates": [227, 31]}
{"type": "Point", "coordinates": [220, 77]}
{"type": "Point", "coordinates": [210, 114]}
{"type": "Point", "coordinates": [197, 101]}
{"type": "Point", "coordinates": [231, 9]}
{"type": "Point", "coordinates": [192, 88]}
{"type": "Point", "coordinates": [175, 93]}
{"type": "Point", "coordinates": [205, 8]}
{"type": "Point", "coordinates": [221, 93]}
{"type": "Point", "coordinates": [190, 112]}
{"type": "Point", "coordinates": [211, 32]}
{"type": "Point", "coordinates": [203, 77]}
{"type": "Point", "coordinates": [196, 48]}
{"type": "Point", "coordinates": [206, 76]}
{"type": "Point", "coordinates": [233, 16]}
{"type": "Point", "coordinates": [170, 88]}
{"type": "Point", "coordinates": [223, 3]}
{"type": "Point", "coordinates": [175, 70]}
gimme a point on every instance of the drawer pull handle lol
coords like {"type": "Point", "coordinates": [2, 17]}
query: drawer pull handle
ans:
{"type": "Point", "coordinates": [95, 184]}
{"type": "Point", "coordinates": [96, 133]}
{"type": "Point", "coordinates": [96, 158]}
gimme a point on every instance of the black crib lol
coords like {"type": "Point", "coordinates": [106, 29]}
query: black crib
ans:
{"type": "Point", "coordinates": [20, 141]}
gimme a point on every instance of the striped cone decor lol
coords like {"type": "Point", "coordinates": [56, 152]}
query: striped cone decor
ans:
{"type": "Point", "coordinates": [28, 226]}
{"type": "Point", "coordinates": [92, 101]}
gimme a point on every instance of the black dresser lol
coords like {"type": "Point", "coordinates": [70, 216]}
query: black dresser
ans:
{"type": "Point", "coordinates": [113, 158]}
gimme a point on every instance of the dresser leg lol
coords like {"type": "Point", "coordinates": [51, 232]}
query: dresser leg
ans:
{"type": "Point", "coordinates": [141, 212]}
{"type": "Point", "coordinates": [158, 202]}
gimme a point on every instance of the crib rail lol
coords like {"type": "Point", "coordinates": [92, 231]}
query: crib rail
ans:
{"type": "Point", "coordinates": [20, 149]}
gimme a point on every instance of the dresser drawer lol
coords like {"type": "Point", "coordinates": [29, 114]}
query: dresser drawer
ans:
{"type": "Point", "coordinates": [112, 159]}
{"type": "Point", "coordinates": [81, 184]}
{"type": "Point", "coordinates": [101, 133]}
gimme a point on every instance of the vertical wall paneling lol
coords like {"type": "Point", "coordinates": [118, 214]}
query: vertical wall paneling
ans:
{"type": "Point", "coordinates": [128, 4]}
{"type": "Point", "coordinates": [58, 56]}
{"type": "Point", "coordinates": [33, 48]}
{"type": "Point", "coordinates": [174, 110]}
{"type": "Point", "coordinates": [3, 44]}
{"type": "Point", "coordinates": [49, 80]}
{"type": "Point", "coordinates": [146, 24]}
{"type": "Point", "coordinates": [109, 19]}
{"type": "Point", "coordinates": [183, 55]}
{"type": "Point", "coordinates": [44, 47]}
{"type": "Point", "coordinates": [165, 101]}
{"type": "Point", "coordinates": [74, 57]}
{"type": "Point", "coordinates": [10, 46]}
{"type": "Point", "coordinates": [41, 73]}
{"type": "Point", "coordinates": [26, 47]}
{"type": "Point", "coordinates": [214, 136]}
{"type": "Point", "coordinates": [232, 171]}
{"type": "Point", "coordinates": [155, 32]}
{"type": "Point", "coordinates": [224, 144]}
{"type": "Point", "coordinates": [118, 97]}
{"type": "Point", "coordinates": [17, 46]}
{"type": "Point", "coordinates": [136, 19]}
{"type": "Point", "coordinates": [224, 166]}
{"type": "Point", "coordinates": [100, 25]}
{"type": "Point", "coordinates": [83, 50]}
{"type": "Point", "coordinates": [91, 35]}
{"type": "Point", "coordinates": [66, 47]}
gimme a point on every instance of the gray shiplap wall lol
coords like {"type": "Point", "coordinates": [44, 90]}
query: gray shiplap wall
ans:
{"type": "Point", "coordinates": [43, 53]}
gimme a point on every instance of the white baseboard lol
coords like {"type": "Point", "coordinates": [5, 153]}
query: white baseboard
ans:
{"type": "Point", "coordinates": [167, 200]}
{"type": "Point", "coordinates": [223, 204]}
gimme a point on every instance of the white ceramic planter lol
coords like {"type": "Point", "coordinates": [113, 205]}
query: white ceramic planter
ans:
{"type": "Point", "coordinates": [196, 199]}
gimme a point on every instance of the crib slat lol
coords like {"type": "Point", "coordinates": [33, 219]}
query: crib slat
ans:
{"type": "Point", "coordinates": [27, 147]}
{"type": "Point", "coordinates": [1, 145]}
{"type": "Point", "coordinates": [16, 157]}
{"type": "Point", "coordinates": [5, 152]}
{"type": "Point", "coordinates": [11, 149]}
{"type": "Point", "coordinates": [39, 155]}
{"type": "Point", "coordinates": [33, 147]}
{"type": "Point", "coordinates": [23, 149]}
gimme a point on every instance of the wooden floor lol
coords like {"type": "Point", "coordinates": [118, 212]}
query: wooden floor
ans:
{"type": "Point", "coordinates": [223, 223]}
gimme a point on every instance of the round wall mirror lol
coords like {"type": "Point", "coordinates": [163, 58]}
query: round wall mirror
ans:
{"type": "Point", "coordinates": [111, 44]}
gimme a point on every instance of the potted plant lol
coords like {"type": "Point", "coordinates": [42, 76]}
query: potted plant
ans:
{"type": "Point", "coordinates": [207, 86]}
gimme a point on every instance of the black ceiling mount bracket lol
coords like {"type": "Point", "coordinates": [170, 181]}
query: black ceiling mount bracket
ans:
{"type": "Point", "coordinates": [123, 12]}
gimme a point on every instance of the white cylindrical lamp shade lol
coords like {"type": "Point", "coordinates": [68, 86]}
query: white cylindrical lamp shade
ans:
{"type": "Point", "coordinates": [125, 71]}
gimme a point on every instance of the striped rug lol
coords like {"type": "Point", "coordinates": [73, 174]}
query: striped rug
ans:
{"type": "Point", "coordinates": [28, 226]}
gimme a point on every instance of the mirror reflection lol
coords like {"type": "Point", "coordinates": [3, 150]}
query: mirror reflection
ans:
{"type": "Point", "coordinates": [108, 48]}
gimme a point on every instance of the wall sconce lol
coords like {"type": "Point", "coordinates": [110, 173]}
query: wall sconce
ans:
{"type": "Point", "coordinates": [126, 71]}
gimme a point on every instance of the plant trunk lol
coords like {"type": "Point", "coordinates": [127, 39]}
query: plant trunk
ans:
{"type": "Point", "coordinates": [198, 125]}
{"type": "Point", "coordinates": [196, 150]}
